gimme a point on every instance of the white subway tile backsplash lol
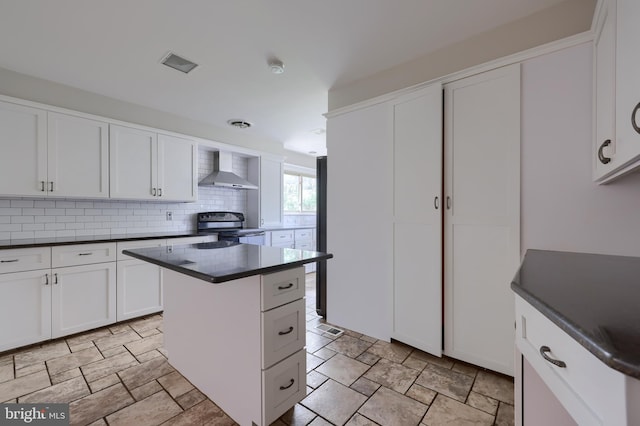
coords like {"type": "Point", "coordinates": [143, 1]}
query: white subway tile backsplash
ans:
{"type": "Point", "coordinates": [54, 212]}
{"type": "Point", "coordinates": [22, 203]}
{"type": "Point", "coordinates": [10, 211]}
{"type": "Point", "coordinates": [48, 218]}
{"type": "Point", "coordinates": [22, 235]}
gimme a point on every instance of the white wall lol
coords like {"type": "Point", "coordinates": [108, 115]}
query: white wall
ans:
{"type": "Point", "coordinates": [561, 208]}
{"type": "Point", "coordinates": [47, 92]}
{"type": "Point", "coordinates": [562, 20]}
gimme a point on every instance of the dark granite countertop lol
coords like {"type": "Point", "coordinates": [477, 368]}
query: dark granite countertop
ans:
{"type": "Point", "coordinates": [89, 239]}
{"type": "Point", "coordinates": [222, 261]}
{"type": "Point", "coordinates": [593, 298]}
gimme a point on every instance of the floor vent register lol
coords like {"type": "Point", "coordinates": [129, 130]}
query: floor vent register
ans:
{"type": "Point", "coordinates": [329, 329]}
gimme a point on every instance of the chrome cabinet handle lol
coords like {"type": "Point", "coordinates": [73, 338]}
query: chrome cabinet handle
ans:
{"type": "Point", "coordinates": [288, 386]}
{"type": "Point", "coordinates": [46, 279]}
{"type": "Point", "coordinates": [153, 192]}
{"type": "Point", "coordinates": [633, 118]}
{"type": "Point", "coordinates": [42, 185]}
{"type": "Point", "coordinates": [159, 192]}
{"type": "Point", "coordinates": [9, 261]}
{"type": "Point", "coordinates": [50, 186]}
{"type": "Point", "coordinates": [556, 362]}
{"type": "Point", "coordinates": [448, 203]}
{"type": "Point", "coordinates": [436, 203]}
{"type": "Point", "coordinates": [601, 157]}
{"type": "Point", "coordinates": [55, 278]}
{"type": "Point", "coordinates": [285, 287]}
{"type": "Point", "coordinates": [282, 333]}
{"type": "Point", "coordinates": [85, 254]}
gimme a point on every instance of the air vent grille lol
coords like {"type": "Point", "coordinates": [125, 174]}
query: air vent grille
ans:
{"type": "Point", "coordinates": [178, 63]}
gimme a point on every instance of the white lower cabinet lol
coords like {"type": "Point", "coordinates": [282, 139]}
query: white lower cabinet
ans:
{"type": "Point", "coordinates": [25, 308]}
{"type": "Point", "coordinates": [139, 289]}
{"type": "Point", "coordinates": [590, 391]}
{"type": "Point", "coordinates": [83, 297]}
{"type": "Point", "coordinates": [253, 363]}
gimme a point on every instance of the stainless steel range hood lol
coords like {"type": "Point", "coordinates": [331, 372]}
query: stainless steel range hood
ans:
{"type": "Point", "coordinates": [223, 175]}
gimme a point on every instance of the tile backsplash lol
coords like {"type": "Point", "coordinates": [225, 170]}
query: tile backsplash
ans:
{"type": "Point", "coordinates": [299, 219]}
{"type": "Point", "coordinates": [48, 217]}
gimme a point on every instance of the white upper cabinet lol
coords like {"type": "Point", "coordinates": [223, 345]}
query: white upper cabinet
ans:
{"type": "Point", "coordinates": [51, 154]}
{"type": "Point", "coordinates": [78, 157]}
{"type": "Point", "coordinates": [23, 150]}
{"type": "Point", "coordinates": [616, 147]}
{"type": "Point", "coordinates": [177, 168]}
{"type": "Point", "coordinates": [265, 205]}
{"type": "Point", "coordinates": [150, 166]}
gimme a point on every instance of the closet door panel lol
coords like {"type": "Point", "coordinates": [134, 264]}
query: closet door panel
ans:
{"type": "Point", "coordinates": [482, 216]}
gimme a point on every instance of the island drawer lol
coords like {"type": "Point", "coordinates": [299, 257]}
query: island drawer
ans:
{"type": "Point", "coordinates": [82, 254]}
{"type": "Point", "coordinates": [580, 382]}
{"type": "Point", "coordinates": [284, 385]}
{"type": "Point", "coordinates": [282, 287]}
{"type": "Point", "coordinates": [283, 332]}
{"type": "Point", "coordinates": [25, 259]}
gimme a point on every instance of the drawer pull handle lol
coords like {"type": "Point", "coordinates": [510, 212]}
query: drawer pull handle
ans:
{"type": "Point", "coordinates": [633, 118]}
{"type": "Point", "coordinates": [282, 333]}
{"type": "Point", "coordinates": [601, 157]}
{"type": "Point", "coordinates": [288, 386]}
{"type": "Point", "coordinates": [9, 261]}
{"type": "Point", "coordinates": [85, 254]}
{"type": "Point", "coordinates": [556, 362]}
{"type": "Point", "coordinates": [285, 287]}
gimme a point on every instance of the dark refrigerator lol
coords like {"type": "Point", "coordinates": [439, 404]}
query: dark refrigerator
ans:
{"type": "Point", "coordinates": [321, 238]}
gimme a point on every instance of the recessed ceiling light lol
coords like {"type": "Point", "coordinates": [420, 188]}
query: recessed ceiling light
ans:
{"type": "Point", "coordinates": [276, 66]}
{"type": "Point", "coordinates": [178, 63]}
{"type": "Point", "coordinates": [239, 123]}
{"type": "Point", "coordinates": [319, 131]}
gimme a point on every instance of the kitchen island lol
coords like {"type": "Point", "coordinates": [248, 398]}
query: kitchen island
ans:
{"type": "Point", "coordinates": [578, 329]}
{"type": "Point", "coordinates": [234, 323]}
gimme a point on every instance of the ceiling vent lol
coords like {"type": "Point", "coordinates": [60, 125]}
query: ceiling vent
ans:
{"type": "Point", "coordinates": [178, 63]}
{"type": "Point", "coordinates": [239, 123]}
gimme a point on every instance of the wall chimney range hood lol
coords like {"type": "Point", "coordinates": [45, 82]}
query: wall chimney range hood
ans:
{"type": "Point", "coordinates": [223, 175]}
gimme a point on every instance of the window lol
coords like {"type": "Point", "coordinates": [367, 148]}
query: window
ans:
{"type": "Point", "coordinates": [299, 193]}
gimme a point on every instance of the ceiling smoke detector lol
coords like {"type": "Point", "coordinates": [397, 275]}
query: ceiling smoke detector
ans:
{"type": "Point", "coordinates": [178, 63]}
{"type": "Point", "coordinates": [239, 123]}
{"type": "Point", "coordinates": [276, 66]}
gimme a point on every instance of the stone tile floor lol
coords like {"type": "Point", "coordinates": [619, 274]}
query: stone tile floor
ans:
{"type": "Point", "coordinates": [119, 375]}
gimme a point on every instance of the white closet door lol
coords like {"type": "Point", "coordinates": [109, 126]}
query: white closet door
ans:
{"type": "Point", "coordinates": [359, 220]}
{"type": "Point", "coordinates": [417, 228]}
{"type": "Point", "coordinates": [482, 216]}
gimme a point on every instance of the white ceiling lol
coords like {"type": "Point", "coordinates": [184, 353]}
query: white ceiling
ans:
{"type": "Point", "coordinates": [114, 48]}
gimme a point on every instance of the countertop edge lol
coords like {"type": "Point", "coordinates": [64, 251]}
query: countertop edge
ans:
{"type": "Point", "coordinates": [96, 240]}
{"type": "Point", "coordinates": [575, 332]}
{"type": "Point", "coordinates": [229, 277]}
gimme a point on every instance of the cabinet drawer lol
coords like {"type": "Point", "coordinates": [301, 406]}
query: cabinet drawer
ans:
{"type": "Point", "coordinates": [283, 385]}
{"type": "Point", "coordinates": [311, 246]}
{"type": "Point", "coordinates": [282, 237]}
{"type": "Point", "coordinates": [126, 245]}
{"type": "Point", "coordinates": [303, 235]}
{"type": "Point", "coordinates": [283, 332]}
{"type": "Point", "coordinates": [26, 259]}
{"type": "Point", "coordinates": [282, 287]}
{"type": "Point", "coordinates": [190, 240]}
{"type": "Point", "coordinates": [83, 254]}
{"type": "Point", "coordinates": [579, 385]}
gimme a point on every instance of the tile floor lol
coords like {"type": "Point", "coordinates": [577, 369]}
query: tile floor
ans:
{"type": "Point", "coordinates": [119, 375]}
